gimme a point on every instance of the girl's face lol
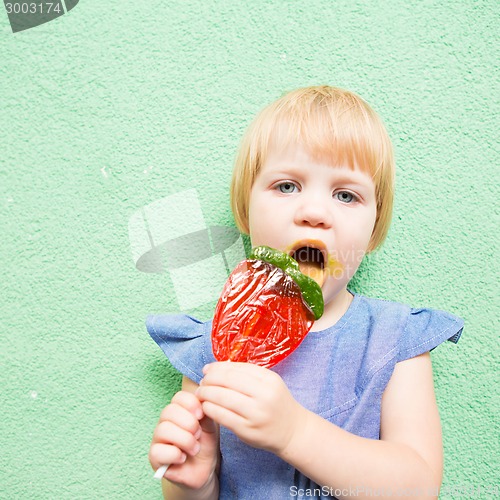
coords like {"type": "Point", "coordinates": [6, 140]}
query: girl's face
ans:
{"type": "Point", "coordinates": [297, 202]}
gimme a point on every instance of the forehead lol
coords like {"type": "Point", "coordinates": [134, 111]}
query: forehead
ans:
{"type": "Point", "coordinates": [322, 140]}
{"type": "Point", "coordinates": [296, 160]}
{"type": "Point", "coordinates": [283, 155]}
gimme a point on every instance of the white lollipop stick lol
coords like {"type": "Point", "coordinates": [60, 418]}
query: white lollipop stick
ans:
{"type": "Point", "coordinates": [160, 471]}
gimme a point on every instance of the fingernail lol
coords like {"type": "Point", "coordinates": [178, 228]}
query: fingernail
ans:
{"type": "Point", "coordinates": [197, 434]}
{"type": "Point", "coordinates": [197, 448]}
{"type": "Point", "coordinates": [183, 457]}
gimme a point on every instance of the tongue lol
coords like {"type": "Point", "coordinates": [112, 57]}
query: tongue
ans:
{"type": "Point", "coordinates": [313, 270]}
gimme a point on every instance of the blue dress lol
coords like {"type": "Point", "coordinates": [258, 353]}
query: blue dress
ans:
{"type": "Point", "coordinates": [339, 373]}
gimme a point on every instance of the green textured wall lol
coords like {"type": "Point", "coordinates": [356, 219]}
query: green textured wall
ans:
{"type": "Point", "coordinates": [117, 104]}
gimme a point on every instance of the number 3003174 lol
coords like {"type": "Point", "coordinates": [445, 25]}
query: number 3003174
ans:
{"type": "Point", "coordinates": [33, 8]}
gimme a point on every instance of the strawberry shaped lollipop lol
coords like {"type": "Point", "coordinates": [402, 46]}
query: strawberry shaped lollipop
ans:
{"type": "Point", "coordinates": [265, 310]}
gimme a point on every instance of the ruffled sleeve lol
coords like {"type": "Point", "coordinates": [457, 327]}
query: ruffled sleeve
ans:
{"type": "Point", "coordinates": [184, 340]}
{"type": "Point", "coordinates": [426, 329]}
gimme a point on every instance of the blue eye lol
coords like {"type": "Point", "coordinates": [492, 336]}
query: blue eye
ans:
{"type": "Point", "coordinates": [286, 187]}
{"type": "Point", "coordinates": [346, 197]}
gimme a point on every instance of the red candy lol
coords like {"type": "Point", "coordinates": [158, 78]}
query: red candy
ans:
{"type": "Point", "coordinates": [261, 316]}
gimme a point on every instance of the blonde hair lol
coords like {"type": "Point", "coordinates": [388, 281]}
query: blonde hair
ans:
{"type": "Point", "coordinates": [333, 125]}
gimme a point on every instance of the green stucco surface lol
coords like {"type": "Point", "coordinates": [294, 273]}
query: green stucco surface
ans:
{"type": "Point", "coordinates": [117, 104]}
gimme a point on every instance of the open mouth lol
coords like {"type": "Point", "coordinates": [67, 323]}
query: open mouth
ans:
{"type": "Point", "coordinates": [312, 259]}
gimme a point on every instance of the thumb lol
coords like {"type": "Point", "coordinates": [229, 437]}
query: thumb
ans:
{"type": "Point", "coordinates": [209, 439]}
{"type": "Point", "coordinates": [208, 425]}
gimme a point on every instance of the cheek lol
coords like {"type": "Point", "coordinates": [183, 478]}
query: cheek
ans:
{"type": "Point", "coordinates": [253, 215]}
{"type": "Point", "coordinates": [262, 234]}
{"type": "Point", "coordinates": [367, 234]}
{"type": "Point", "coordinates": [353, 244]}
{"type": "Point", "coordinates": [366, 225]}
{"type": "Point", "coordinates": [371, 227]}
{"type": "Point", "coordinates": [266, 229]}
{"type": "Point", "coordinates": [256, 223]}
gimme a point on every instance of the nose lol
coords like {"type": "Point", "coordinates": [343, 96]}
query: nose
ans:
{"type": "Point", "coordinates": [314, 212]}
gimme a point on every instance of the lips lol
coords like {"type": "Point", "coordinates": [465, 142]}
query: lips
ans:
{"type": "Point", "coordinates": [312, 257]}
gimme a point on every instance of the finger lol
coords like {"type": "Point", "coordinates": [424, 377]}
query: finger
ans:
{"type": "Point", "coordinates": [181, 417]}
{"type": "Point", "coordinates": [208, 426]}
{"type": "Point", "coordinates": [168, 433]}
{"type": "Point", "coordinates": [188, 401]}
{"type": "Point", "coordinates": [165, 454]}
{"type": "Point", "coordinates": [226, 398]}
{"type": "Point", "coordinates": [241, 377]}
{"type": "Point", "coordinates": [223, 416]}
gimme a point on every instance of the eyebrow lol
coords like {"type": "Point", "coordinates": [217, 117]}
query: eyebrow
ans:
{"type": "Point", "coordinates": [354, 180]}
{"type": "Point", "coordinates": [346, 176]}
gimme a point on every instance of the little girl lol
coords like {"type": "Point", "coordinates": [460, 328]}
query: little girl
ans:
{"type": "Point", "coordinates": [352, 411]}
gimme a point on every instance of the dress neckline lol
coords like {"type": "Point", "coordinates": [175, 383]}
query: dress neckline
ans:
{"type": "Point", "coordinates": [343, 320]}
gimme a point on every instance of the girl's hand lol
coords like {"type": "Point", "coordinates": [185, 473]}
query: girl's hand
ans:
{"type": "Point", "coordinates": [187, 441]}
{"type": "Point", "coordinates": [253, 402]}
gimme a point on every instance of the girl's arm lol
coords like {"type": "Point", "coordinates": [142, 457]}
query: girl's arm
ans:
{"type": "Point", "coordinates": [256, 405]}
{"type": "Point", "coordinates": [408, 458]}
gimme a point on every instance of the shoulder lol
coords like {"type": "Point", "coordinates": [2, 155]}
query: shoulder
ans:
{"type": "Point", "coordinates": [409, 331]}
{"type": "Point", "coordinates": [184, 340]}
